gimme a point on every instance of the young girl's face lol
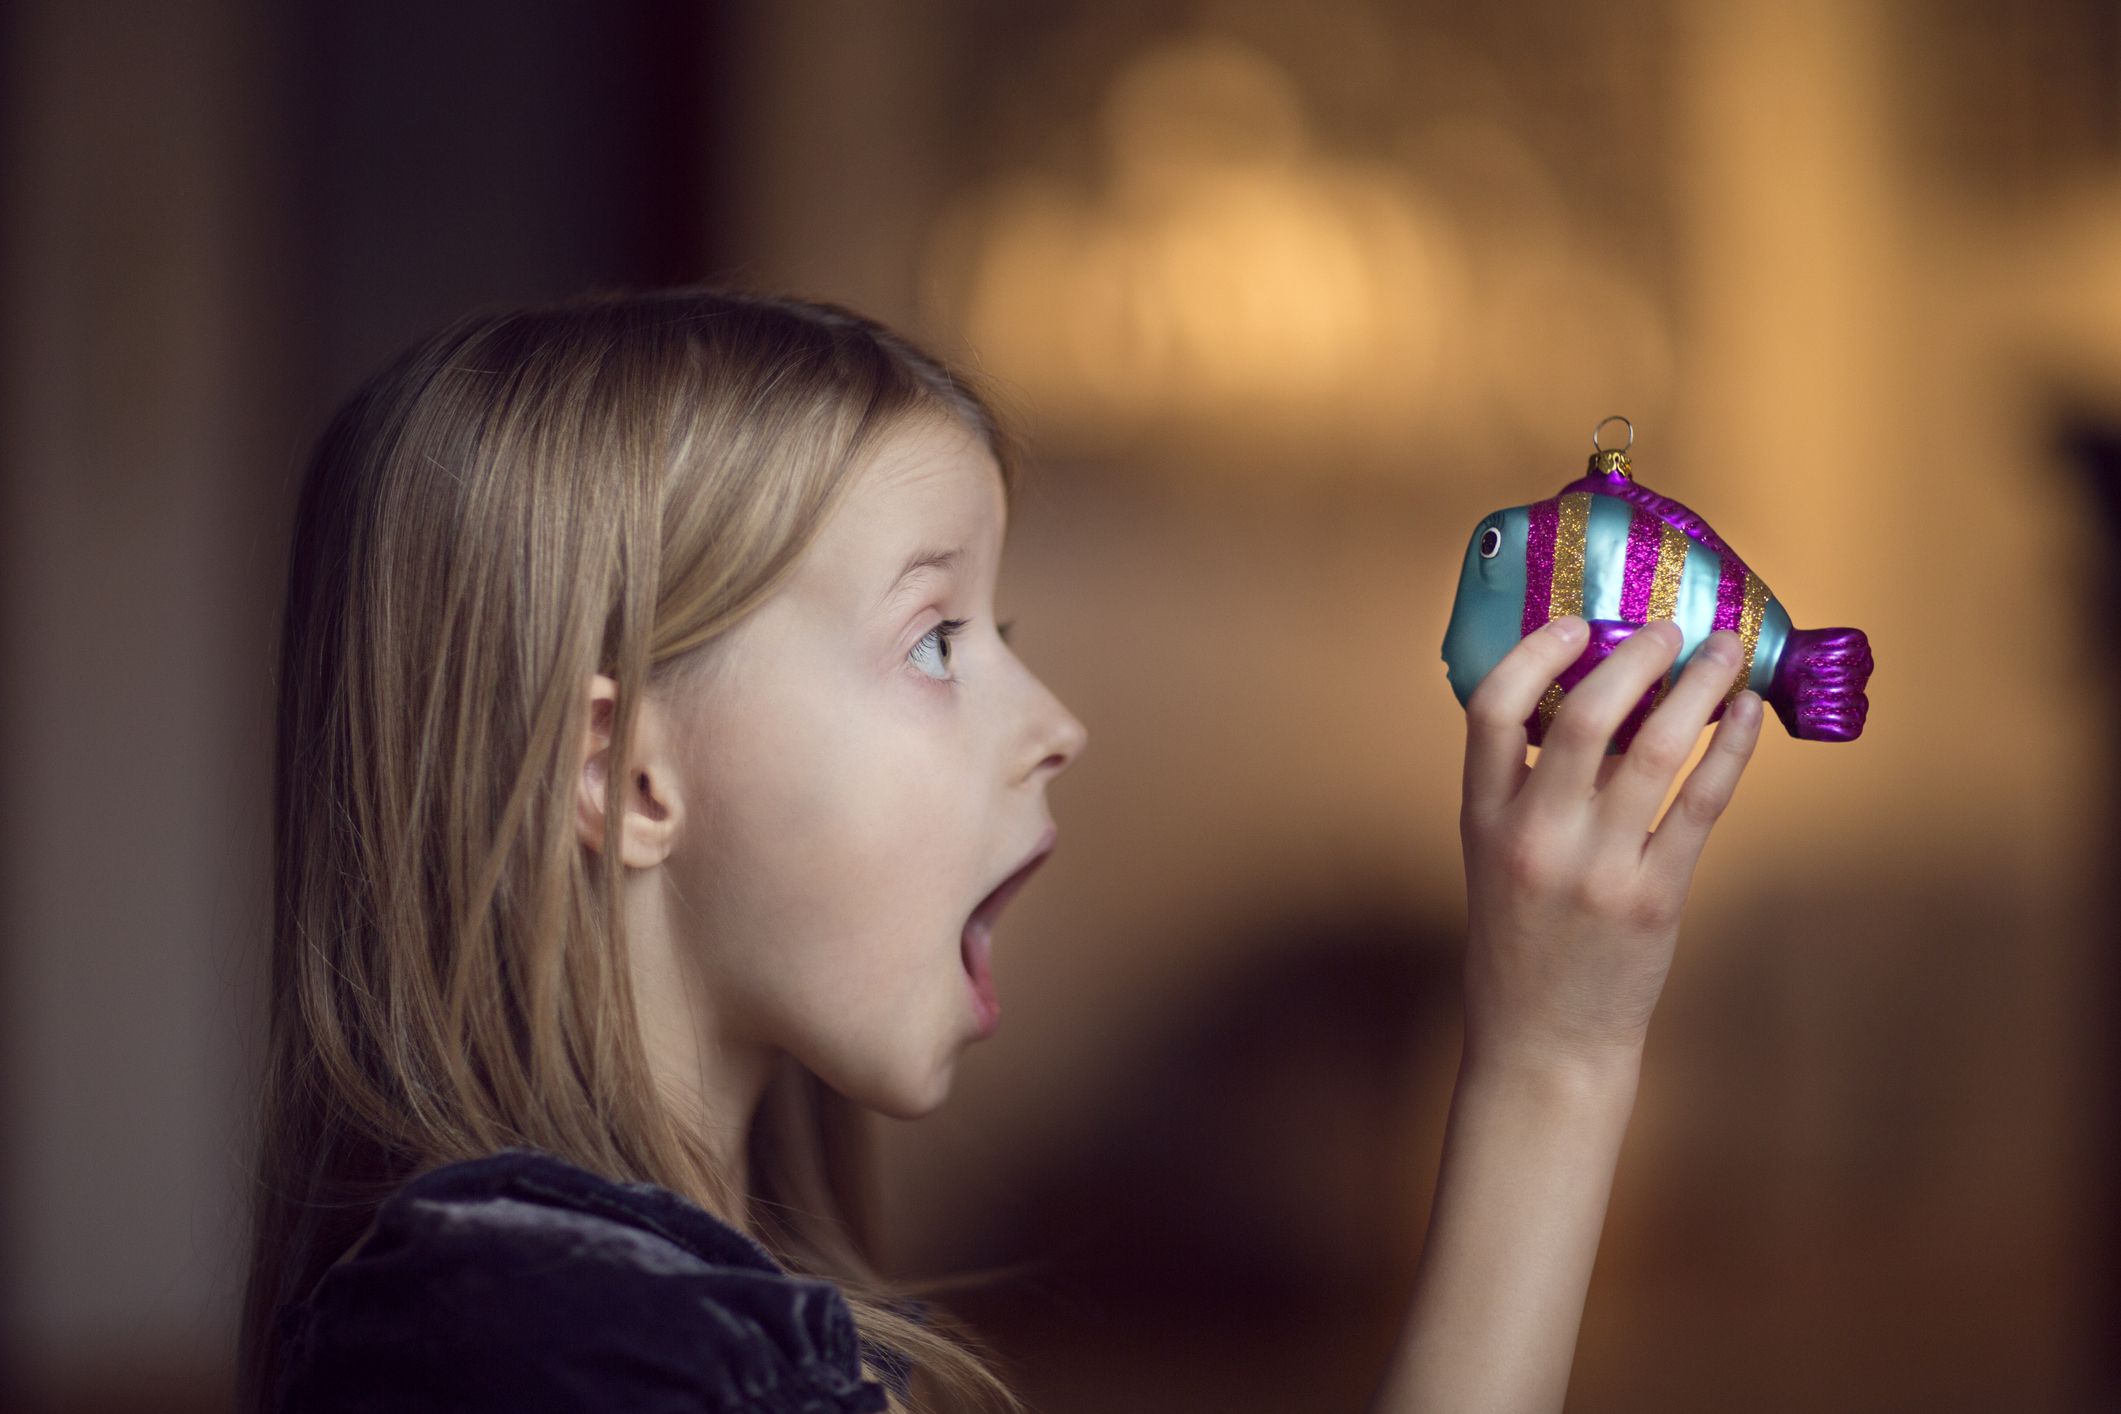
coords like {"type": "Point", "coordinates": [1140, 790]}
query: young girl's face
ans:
{"type": "Point", "coordinates": [858, 778]}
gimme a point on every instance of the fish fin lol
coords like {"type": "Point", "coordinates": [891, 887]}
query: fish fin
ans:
{"type": "Point", "coordinates": [1605, 636]}
{"type": "Point", "coordinates": [1818, 686]}
{"type": "Point", "coordinates": [1676, 514]}
{"type": "Point", "coordinates": [1611, 633]}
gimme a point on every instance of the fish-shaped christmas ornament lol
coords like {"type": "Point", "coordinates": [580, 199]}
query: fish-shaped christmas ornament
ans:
{"type": "Point", "coordinates": [1615, 552]}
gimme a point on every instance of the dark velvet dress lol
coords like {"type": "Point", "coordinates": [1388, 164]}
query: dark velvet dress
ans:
{"type": "Point", "coordinates": [519, 1281]}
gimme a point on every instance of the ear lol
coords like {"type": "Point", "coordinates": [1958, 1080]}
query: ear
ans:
{"type": "Point", "coordinates": [648, 792]}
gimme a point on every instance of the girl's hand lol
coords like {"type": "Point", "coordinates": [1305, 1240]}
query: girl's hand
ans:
{"type": "Point", "coordinates": [1573, 903]}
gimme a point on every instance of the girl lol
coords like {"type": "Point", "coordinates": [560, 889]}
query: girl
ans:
{"type": "Point", "coordinates": [649, 776]}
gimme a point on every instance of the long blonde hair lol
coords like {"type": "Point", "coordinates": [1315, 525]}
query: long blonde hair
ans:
{"type": "Point", "coordinates": [604, 484]}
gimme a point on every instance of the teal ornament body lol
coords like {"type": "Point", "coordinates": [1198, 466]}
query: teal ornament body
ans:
{"type": "Point", "coordinates": [1620, 555]}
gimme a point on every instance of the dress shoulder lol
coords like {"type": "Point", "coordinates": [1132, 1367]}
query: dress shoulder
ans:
{"type": "Point", "coordinates": [520, 1281]}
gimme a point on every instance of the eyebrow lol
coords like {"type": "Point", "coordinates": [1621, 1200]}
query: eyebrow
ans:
{"type": "Point", "coordinates": [926, 559]}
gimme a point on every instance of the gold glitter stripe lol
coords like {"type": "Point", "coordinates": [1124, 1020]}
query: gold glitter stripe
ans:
{"type": "Point", "coordinates": [1573, 521]}
{"type": "Point", "coordinates": [1565, 596]}
{"type": "Point", "coordinates": [1672, 547]}
{"type": "Point", "coordinates": [1671, 565]}
{"type": "Point", "coordinates": [1549, 704]}
{"type": "Point", "coordinates": [1748, 632]}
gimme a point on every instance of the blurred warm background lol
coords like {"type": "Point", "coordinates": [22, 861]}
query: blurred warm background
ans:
{"type": "Point", "coordinates": [1286, 297]}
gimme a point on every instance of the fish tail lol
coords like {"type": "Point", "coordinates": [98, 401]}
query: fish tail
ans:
{"type": "Point", "coordinates": [1818, 685]}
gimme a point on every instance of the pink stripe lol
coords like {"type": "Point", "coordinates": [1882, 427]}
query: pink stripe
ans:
{"type": "Point", "coordinates": [1539, 563]}
{"type": "Point", "coordinates": [1730, 594]}
{"type": "Point", "coordinates": [1645, 532]}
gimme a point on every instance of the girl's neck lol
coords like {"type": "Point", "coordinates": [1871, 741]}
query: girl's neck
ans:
{"type": "Point", "coordinates": [712, 1081]}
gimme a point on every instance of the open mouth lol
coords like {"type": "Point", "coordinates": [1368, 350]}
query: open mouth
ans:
{"type": "Point", "coordinates": [976, 943]}
{"type": "Point", "coordinates": [991, 906]}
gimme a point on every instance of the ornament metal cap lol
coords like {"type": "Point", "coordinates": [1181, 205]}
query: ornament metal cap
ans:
{"type": "Point", "coordinates": [1611, 461]}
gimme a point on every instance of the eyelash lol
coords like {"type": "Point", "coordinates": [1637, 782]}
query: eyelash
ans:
{"type": "Point", "coordinates": [943, 632]}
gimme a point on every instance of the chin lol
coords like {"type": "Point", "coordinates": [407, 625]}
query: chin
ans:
{"type": "Point", "coordinates": [902, 1096]}
{"type": "Point", "coordinates": [898, 1108]}
{"type": "Point", "coordinates": [911, 1103]}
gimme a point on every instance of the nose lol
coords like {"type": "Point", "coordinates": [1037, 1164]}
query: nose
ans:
{"type": "Point", "coordinates": [1061, 736]}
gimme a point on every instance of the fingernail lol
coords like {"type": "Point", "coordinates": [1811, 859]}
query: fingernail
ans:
{"type": "Point", "coordinates": [1568, 628]}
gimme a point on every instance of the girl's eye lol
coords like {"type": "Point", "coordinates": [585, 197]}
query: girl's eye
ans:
{"type": "Point", "coordinates": [941, 635]}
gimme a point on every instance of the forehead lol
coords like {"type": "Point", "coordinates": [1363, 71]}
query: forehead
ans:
{"type": "Point", "coordinates": [929, 478]}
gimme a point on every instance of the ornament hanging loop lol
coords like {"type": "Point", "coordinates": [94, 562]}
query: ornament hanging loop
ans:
{"type": "Point", "coordinates": [1611, 461]}
{"type": "Point", "coordinates": [1616, 417]}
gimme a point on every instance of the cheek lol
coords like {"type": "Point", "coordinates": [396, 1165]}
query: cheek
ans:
{"type": "Point", "coordinates": [835, 853]}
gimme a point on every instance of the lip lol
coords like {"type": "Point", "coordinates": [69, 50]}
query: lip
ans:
{"type": "Point", "coordinates": [1000, 894]}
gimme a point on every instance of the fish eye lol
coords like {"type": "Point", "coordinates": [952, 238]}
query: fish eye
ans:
{"type": "Point", "coordinates": [1491, 542]}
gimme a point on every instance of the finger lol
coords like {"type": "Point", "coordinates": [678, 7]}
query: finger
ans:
{"type": "Point", "coordinates": [1661, 747]}
{"type": "Point", "coordinates": [1679, 838]}
{"type": "Point", "coordinates": [1503, 700]}
{"type": "Point", "coordinates": [1575, 741]}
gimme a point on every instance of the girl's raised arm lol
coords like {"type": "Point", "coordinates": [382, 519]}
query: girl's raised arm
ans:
{"type": "Point", "coordinates": [1573, 907]}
